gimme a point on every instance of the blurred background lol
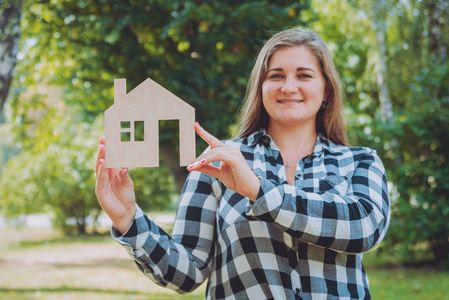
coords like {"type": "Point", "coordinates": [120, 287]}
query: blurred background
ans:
{"type": "Point", "coordinates": [58, 60]}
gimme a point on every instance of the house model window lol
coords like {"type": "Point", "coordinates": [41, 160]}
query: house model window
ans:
{"type": "Point", "coordinates": [132, 125]}
{"type": "Point", "coordinates": [132, 131]}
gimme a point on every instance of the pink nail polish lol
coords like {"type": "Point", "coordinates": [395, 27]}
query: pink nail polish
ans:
{"type": "Point", "coordinates": [198, 124]}
{"type": "Point", "coordinates": [203, 161]}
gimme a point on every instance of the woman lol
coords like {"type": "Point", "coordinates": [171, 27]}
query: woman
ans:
{"type": "Point", "coordinates": [285, 210]}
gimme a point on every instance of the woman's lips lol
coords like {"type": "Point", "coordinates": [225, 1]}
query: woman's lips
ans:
{"type": "Point", "coordinates": [289, 101]}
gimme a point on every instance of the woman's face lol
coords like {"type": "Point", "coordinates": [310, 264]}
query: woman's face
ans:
{"type": "Point", "coordinates": [294, 88]}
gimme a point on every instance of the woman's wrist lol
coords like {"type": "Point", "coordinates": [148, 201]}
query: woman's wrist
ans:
{"type": "Point", "coordinates": [125, 222]}
{"type": "Point", "coordinates": [254, 192]}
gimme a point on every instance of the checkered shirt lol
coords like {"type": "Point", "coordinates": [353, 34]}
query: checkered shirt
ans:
{"type": "Point", "coordinates": [295, 242]}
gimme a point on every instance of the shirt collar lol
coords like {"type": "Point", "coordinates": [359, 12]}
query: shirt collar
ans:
{"type": "Point", "coordinates": [322, 145]}
{"type": "Point", "coordinates": [259, 136]}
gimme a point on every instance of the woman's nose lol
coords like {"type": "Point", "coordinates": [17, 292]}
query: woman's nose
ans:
{"type": "Point", "coordinates": [289, 86]}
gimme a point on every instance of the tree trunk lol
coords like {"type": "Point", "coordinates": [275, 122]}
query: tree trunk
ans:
{"type": "Point", "coordinates": [378, 19]}
{"type": "Point", "coordinates": [10, 13]}
{"type": "Point", "coordinates": [441, 251]}
{"type": "Point", "coordinates": [81, 225]}
{"type": "Point", "coordinates": [435, 15]}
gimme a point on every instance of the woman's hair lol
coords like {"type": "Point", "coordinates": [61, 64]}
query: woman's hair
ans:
{"type": "Point", "coordinates": [330, 121]}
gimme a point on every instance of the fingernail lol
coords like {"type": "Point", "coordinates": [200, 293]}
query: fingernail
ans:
{"type": "Point", "coordinates": [198, 124]}
{"type": "Point", "coordinates": [203, 161]}
{"type": "Point", "coordinates": [190, 166]}
{"type": "Point", "coordinates": [126, 171]}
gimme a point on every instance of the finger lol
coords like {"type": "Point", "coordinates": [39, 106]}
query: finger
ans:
{"type": "Point", "coordinates": [126, 179]}
{"type": "Point", "coordinates": [102, 178]}
{"type": "Point", "coordinates": [228, 155]}
{"type": "Point", "coordinates": [202, 167]}
{"type": "Point", "coordinates": [113, 172]}
{"type": "Point", "coordinates": [205, 155]}
{"type": "Point", "coordinates": [102, 170]}
{"type": "Point", "coordinates": [207, 137]}
{"type": "Point", "coordinates": [202, 156]}
{"type": "Point", "coordinates": [100, 155]}
{"type": "Point", "coordinates": [206, 169]}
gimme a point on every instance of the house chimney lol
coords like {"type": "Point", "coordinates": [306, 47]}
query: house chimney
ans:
{"type": "Point", "coordinates": [119, 89]}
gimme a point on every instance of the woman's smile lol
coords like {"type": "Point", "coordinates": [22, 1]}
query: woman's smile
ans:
{"type": "Point", "coordinates": [289, 101]}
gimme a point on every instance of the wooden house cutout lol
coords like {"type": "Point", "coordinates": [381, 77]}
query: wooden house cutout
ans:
{"type": "Point", "coordinates": [140, 110]}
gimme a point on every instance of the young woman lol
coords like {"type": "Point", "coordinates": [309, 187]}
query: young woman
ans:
{"type": "Point", "coordinates": [285, 210]}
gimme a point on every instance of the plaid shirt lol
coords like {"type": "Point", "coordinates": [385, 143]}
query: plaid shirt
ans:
{"type": "Point", "coordinates": [295, 242]}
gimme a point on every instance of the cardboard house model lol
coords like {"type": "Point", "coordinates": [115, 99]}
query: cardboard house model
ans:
{"type": "Point", "coordinates": [132, 125]}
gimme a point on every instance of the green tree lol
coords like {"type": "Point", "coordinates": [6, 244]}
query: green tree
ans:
{"type": "Point", "coordinates": [202, 51]}
{"type": "Point", "coordinates": [59, 178]}
{"type": "Point", "coordinates": [412, 145]}
{"type": "Point", "coordinates": [420, 213]}
{"type": "Point", "coordinates": [419, 223]}
{"type": "Point", "coordinates": [10, 14]}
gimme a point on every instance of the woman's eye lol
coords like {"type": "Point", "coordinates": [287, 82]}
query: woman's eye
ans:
{"type": "Point", "coordinates": [275, 76]}
{"type": "Point", "coordinates": [304, 76]}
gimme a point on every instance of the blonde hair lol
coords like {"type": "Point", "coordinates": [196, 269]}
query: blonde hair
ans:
{"type": "Point", "coordinates": [330, 121]}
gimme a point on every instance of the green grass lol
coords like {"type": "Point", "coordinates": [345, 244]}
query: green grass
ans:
{"type": "Point", "coordinates": [43, 264]}
{"type": "Point", "coordinates": [409, 284]}
{"type": "Point", "coordinates": [68, 294]}
{"type": "Point", "coordinates": [390, 280]}
{"type": "Point", "coordinates": [91, 294]}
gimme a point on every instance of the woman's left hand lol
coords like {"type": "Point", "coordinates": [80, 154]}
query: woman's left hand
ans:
{"type": "Point", "coordinates": [234, 172]}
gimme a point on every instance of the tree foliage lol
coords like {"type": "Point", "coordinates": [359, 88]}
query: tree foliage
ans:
{"type": "Point", "coordinates": [54, 174]}
{"type": "Point", "coordinates": [10, 14]}
{"type": "Point", "coordinates": [420, 213]}
{"type": "Point", "coordinates": [202, 51]}
{"type": "Point", "coordinates": [413, 146]}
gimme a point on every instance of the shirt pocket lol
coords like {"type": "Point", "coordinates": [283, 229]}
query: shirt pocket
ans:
{"type": "Point", "coordinates": [335, 184]}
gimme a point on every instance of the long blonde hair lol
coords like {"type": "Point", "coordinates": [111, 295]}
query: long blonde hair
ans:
{"type": "Point", "coordinates": [330, 121]}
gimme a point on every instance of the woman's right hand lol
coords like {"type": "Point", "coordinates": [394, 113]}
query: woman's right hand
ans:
{"type": "Point", "coordinates": [115, 191]}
